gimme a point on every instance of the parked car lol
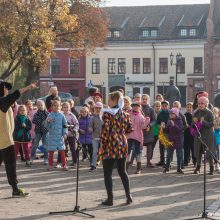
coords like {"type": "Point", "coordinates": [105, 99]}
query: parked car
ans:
{"type": "Point", "coordinates": [65, 96]}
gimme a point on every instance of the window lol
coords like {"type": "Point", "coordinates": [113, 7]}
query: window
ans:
{"type": "Point", "coordinates": [145, 33]}
{"type": "Point", "coordinates": [95, 66]}
{"type": "Point", "coordinates": [183, 32]}
{"type": "Point", "coordinates": [153, 33]}
{"type": "Point", "coordinates": [136, 65]}
{"type": "Point", "coordinates": [146, 65]}
{"type": "Point", "coordinates": [111, 66]}
{"type": "Point", "coordinates": [163, 65]}
{"type": "Point", "coordinates": [149, 33]}
{"type": "Point", "coordinates": [55, 66]}
{"type": "Point", "coordinates": [74, 66]}
{"type": "Point", "coordinates": [109, 34]}
{"type": "Point", "coordinates": [121, 65]}
{"type": "Point", "coordinates": [116, 34]}
{"type": "Point", "coordinates": [198, 85]}
{"type": "Point", "coordinates": [197, 64]}
{"type": "Point", "coordinates": [181, 66]}
{"type": "Point", "coordinates": [192, 32]}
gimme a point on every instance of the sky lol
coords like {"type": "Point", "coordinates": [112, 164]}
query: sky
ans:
{"type": "Point", "coordinates": [152, 2]}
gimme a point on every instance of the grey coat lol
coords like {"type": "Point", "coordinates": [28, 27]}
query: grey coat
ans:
{"type": "Point", "coordinates": [207, 134]}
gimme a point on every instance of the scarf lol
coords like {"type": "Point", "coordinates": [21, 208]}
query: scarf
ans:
{"type": "Point", "coordinates": [22, 119]}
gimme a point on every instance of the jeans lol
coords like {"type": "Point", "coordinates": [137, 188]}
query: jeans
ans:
{"type": "Point", "coordinates": [179, 155]}
{"type": "Point", "coordinates": [38, 137]}
{"type": "Point", "coordinates": [95, 145]}
{"type": "Point", "coordinates": [108, 167]}
{"type": "Point", "coordinates": [134, 147]}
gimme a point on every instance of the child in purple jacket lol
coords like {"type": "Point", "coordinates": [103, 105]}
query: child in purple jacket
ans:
{"type": "Point", "coordinates": [85, 135]}
{"type": "Point", "coordinates": [174, 128]}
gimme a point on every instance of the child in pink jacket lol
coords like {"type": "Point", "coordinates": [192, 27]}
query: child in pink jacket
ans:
{"type": "Point", "coordinates": [135, 138]}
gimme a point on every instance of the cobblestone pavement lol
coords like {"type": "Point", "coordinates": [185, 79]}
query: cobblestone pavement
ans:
{"type": "Point", "coordinates": [156, 196]}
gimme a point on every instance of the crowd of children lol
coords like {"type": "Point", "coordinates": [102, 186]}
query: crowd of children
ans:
{"type": "Point", "coordinates": [58, 125]}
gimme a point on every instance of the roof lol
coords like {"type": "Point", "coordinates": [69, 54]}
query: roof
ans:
{"type": "Point", "coordinates": [167, 19]}
{"type": "Point", "coordinates": [216, 18]}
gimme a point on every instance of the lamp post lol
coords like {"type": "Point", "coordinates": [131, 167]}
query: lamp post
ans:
{"type": "Point", "coordinates": [177, 63]}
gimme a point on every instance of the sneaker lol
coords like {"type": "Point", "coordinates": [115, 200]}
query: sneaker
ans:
{"type": "Point", "coordinates": [58, 165]}
{"type": "Point", "coordinates": [45, 162]}
{"type": "Point", "coordinates": [98, 163]}
{"type": "Point", "coordinates": [65, 168]}
{"type": "Point", "coordinates": [92, 169]}
{"type": "Point", "coordinates": [150, 165]}
{"type": "Point", "coordinates": [19, 193]}
{"type": "Point", "coordinates": [49, 168]}
{"type": "Point", "coordinates": [180, 171]}
{"type": "Point", "coordinates": [160, 164]}
{"type": "Point", "coordinates": [28, 164]}
{"type": "Point", "coordinates": [31, 161]}
{"type": "Point", "coordinates": [166, 170]}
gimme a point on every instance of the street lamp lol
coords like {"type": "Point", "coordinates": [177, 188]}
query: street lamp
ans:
{"type": "Point", "coordinates": [177, 62]}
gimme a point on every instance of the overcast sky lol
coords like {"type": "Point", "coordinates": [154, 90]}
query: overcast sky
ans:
{"type": "Point", "coordinates": [151, 2]}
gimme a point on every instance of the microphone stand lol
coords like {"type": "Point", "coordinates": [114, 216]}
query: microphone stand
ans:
{"type": "Point", "coordinates": [205, 149]}
{"type": "Point", "coordinates": [77, 207]}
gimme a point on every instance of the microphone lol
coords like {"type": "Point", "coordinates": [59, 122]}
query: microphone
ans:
{"type": "Point", "coordinates": [68, 126]}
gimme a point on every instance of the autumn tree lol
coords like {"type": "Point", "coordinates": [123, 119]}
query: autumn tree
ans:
{"type": "Point", "coordinates": [30, 29]}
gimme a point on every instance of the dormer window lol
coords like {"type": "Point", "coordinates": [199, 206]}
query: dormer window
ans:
{"type": "Point", "coordinates": [192, 32]}
{"type": "Point", "coordinates": [114, 34]}
{"type": "Point", "coordinates": [109, 34]}
{"type": "Point", "coordinates": [188, 32]}
{"type": "Point", "coordinates": [153, 33]}
{"type": "Point", "coordinates": [145, 33]}
{"type": "Point", "coordinates": [149, 33]}
{"type": "Point", "coordinates": [183, 32]}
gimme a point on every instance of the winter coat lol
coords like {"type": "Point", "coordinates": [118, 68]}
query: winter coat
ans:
{"type": "Point", "coordinates": [38, 121]}
{"type": "Point", "coordinates": [95, 126]}
{"type": "Point", "coordinates": [22, 134]}
{"type": "Point", "coordinates": [139, 122]}
{"type": "Point", "coordinates": [207, 131]}
{"type": "Point", "coordinates": [56, 131]}
{"type": "Point", "coordinates": [163, 116]}
{"type": "Point", "coordinates": [175, 132]}
{"type": "Point", "coordinates": [72, 120]}
{"type": "Point", "coordinates": [113, 135]}
{"type": "Point", "coordinates": [149, 112]}
{"type": "Point", "coordinates": [187, 135]}
{"type": "Point", "coordinates": [31, 114]}
{"type": "Point", "coordinates": [217, 136]}
{"type": "Point", "coordinates": [85, 138]}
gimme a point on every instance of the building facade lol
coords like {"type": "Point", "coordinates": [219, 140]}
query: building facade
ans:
{"type": "Point", "coordinates": [66, 72]}
{"type": "Point", "coordinates": [138, 48]}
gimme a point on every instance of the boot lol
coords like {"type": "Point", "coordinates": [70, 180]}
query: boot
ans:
{"type": "Point", "coordinates": [129, 198]}
{"type": "Point", "coordinates": [138, 171]}
{"type": "Point", "coordinates": [211, 170]}
{"type": "Point", "coordinates": [197, 170]}
{"type": "Point", "coordinates": [109, 200]}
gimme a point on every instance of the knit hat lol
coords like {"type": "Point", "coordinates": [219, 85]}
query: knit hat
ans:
{"type": "Point", "coordinates": [97, 94]}
{"type": "Point", "coordinates": [175, 111]}
{"type": "Point", "coordinates": [135, 103]}
{"type": "Point", "coordinates": [203, 93]}
{"type": "Point", "coordinates": [204, 100]}
{"type": "Point", "coordinates": [98, 105]}
{"type": "Point", "coordinates": [165, 102]}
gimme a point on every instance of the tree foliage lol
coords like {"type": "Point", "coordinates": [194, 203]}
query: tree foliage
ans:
{"type": "Point", "coordinates": [30, 29]}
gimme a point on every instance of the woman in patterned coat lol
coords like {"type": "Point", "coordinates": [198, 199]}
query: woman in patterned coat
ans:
{"type": "Point", "coordinates": [116, 124]}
